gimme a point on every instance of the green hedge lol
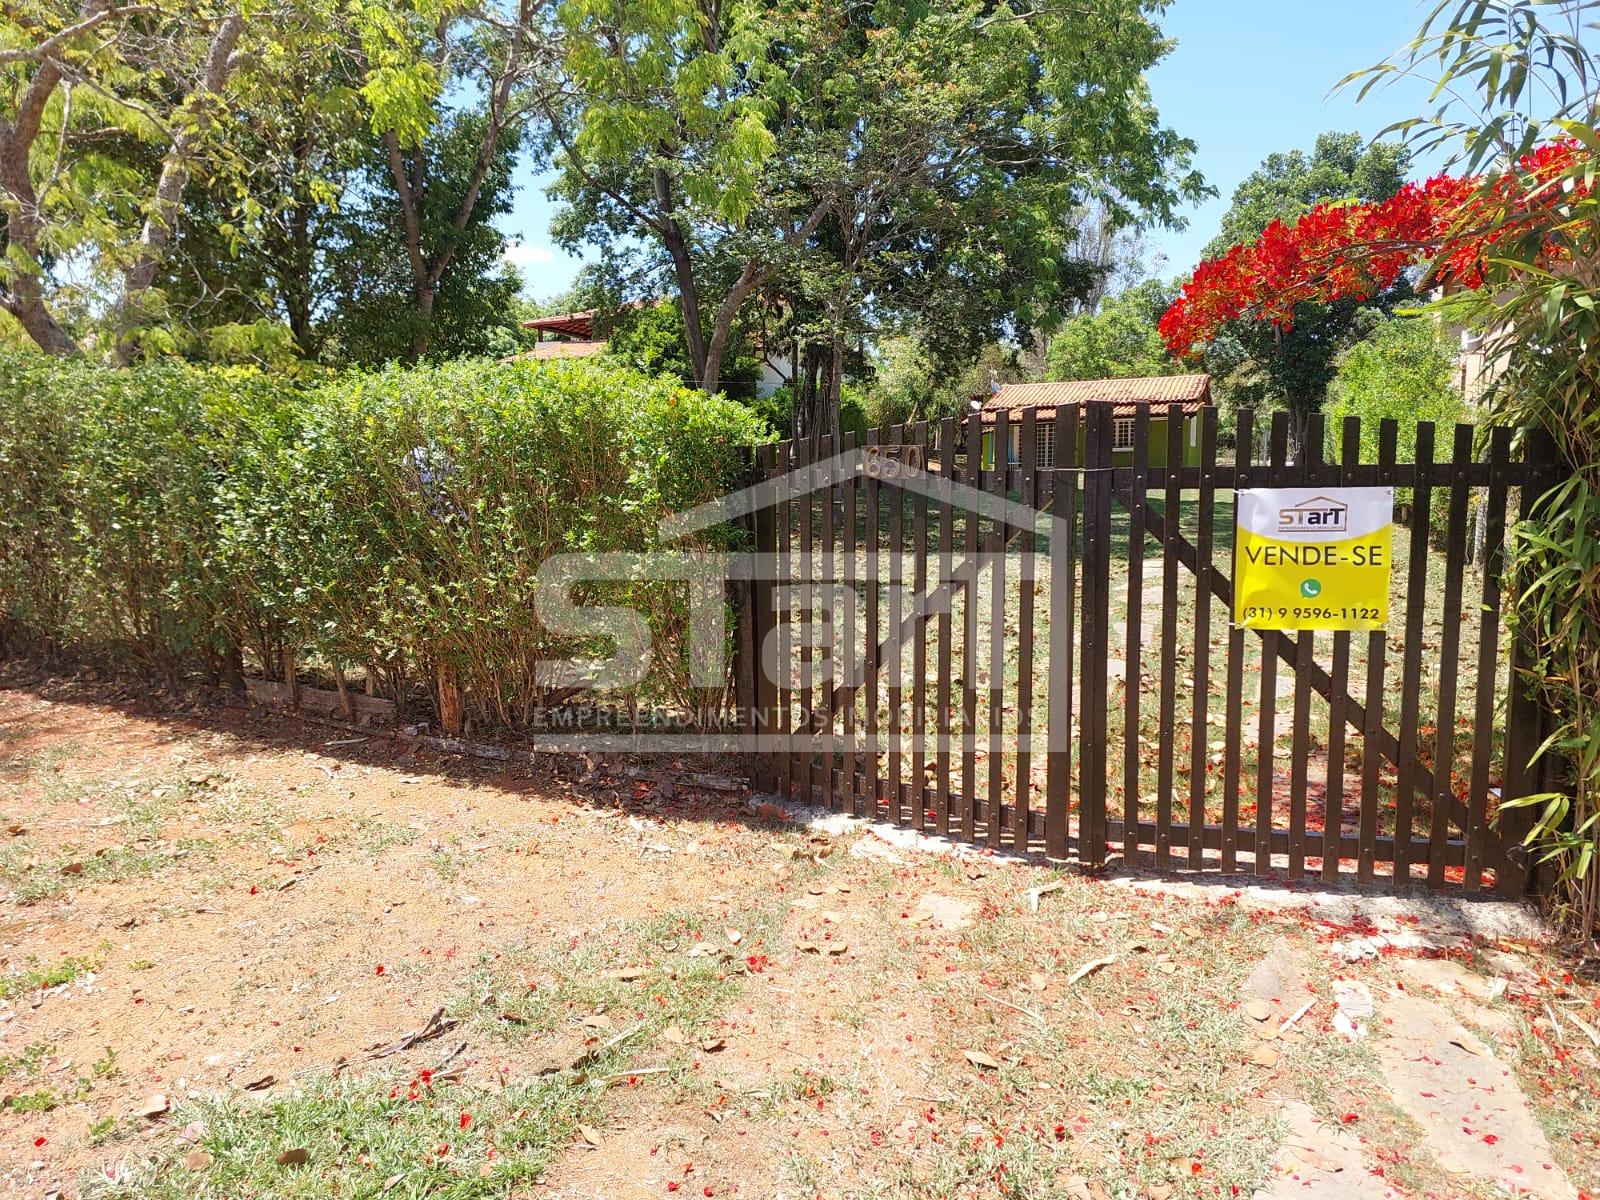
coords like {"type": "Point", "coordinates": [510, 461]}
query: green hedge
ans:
{"type": "Point", "coordinates": [172, 517]}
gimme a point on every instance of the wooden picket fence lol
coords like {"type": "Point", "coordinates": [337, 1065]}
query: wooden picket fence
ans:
{"type": "Point", "coordinates": [1039, 658]}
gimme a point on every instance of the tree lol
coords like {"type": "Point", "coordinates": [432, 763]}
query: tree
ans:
{"type": "Point", "coordinates": [256, 245]}
{"type": "Point", "coordinates": [908, 383]}
{"type": "Point", "coordinates": [74, 78]}
{"type": "Point", "coordinates": [375, 296]}
{"type": "Point", "coordinates": [934, 161]}
{"type": "Point", "coordinates": [1404, 371]}
{"type": "Point", "coordinates": [1118, 340]}
{"type": "Point", "coordinates": [650, 338]}
{"type": "Point", "coordinates": [449, 170]}
{"type": "Point", "coordinates": [1292, 362]}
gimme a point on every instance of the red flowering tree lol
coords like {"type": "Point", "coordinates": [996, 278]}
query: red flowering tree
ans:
{"type": "Point", "coordinates": [1353, 251]}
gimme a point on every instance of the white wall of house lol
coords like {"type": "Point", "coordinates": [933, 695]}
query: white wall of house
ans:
{"type": "Point", "coordinates": [775, 372]}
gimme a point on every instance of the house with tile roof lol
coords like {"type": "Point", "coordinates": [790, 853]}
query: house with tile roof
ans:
{"type": "Point", "coordinates": [1170, 397]}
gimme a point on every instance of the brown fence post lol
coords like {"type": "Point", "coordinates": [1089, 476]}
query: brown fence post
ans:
{"type": "Point", "coordinates": [1063, 610]}
{"type": "Point", "coordinates": [754, 692]}
{"type": "Point", "coordinates": [1097, 489]}
{"type": "Point", "coordinates": [1525, 718]}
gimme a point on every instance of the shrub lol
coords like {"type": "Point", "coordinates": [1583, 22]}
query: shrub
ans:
{"type": "Point", "coordinates": [1406, 371]}
{"type": "Point", "coordinates": [38, 423]}
{"type": "Point", "coordinates": [424, 500]}
{"type": "Point", "coordinates": [170, 516]}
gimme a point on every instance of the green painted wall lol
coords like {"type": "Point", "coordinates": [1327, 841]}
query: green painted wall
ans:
{"type": "Point", "coordinates": [1157, 455]}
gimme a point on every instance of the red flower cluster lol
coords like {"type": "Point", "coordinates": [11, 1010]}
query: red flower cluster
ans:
{"type": "Point", "coordinates": [1354, 250]}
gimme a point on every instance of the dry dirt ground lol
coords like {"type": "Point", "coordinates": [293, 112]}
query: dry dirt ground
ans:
{"type": "Point", "coordinates": [248, 956]}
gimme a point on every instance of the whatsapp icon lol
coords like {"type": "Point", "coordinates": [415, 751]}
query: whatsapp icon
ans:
{"type": "Point", "coordinates": [1310, 589]}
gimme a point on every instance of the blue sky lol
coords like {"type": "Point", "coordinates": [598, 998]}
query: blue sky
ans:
{"type": "Point", "coordinates": [1247, 77]}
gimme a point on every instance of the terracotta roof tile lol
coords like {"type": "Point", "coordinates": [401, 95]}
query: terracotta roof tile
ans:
{"type": "Point", "coordinates": [1189, 392]}
{"type": "Point", "coordinates": [560, 350]}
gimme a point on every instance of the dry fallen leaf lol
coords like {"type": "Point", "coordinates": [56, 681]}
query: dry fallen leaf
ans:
{"type": "Point", "coordinates": [1258, 1010]}
{"type": "Point", "coordinates": [298, 1157]}
{"type": "Point", "coordinates": [590, 1135]}
{"type": "Point", "coordinates": [1267, 1030]}
{"type": "Point", "coordinates": [1265, 1056]}
{"type": "Point", "coordinates": [197, 1160]}
{"type": "Point", "coordinates": [734, 936]}
{"type": "Point", "coordinates": [632, 974]}
{"type": "Point", "coordinates": [155, 1106]}
{"type": "Point", "coordinates": [72, 868]}
{"type": "Point", "coordinates": [597, 1021]}
{"type": "Point", "coordinates": [981, 1060]}
{"type": "Point", "coordinates": [1159, 1191]}
{"type": "Point", "coordinates": [1090, 967]}
{"type": "Point", "coordinates": [256, 1085]}
{"type": "Point", "coordinates": [674, 1035]}
{"type": "Point", "coordinates": [1044, 889]}
{"type": "Point", "coordinates": [712, 1044]}
{"type": "Point", "coordinates": [838, 947]}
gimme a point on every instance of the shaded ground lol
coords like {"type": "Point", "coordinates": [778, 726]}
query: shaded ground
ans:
{"type": "Point", "coordinates": [215, 922]}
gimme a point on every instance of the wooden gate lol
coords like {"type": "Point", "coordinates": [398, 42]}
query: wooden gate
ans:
{"type": "Point", "coordinates": [1009, 637]}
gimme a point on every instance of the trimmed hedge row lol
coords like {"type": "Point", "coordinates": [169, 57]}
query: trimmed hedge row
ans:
{"type": "Point", "coordinates": [174, 518]}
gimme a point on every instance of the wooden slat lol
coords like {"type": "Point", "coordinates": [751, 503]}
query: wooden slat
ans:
{"type": "Point", "coordinates": [1267, 715]}
{"type": "Point", "coordinates": [1133, 652]}
{"type": "Point", "coordinates": [1244, 443]}
{"type": "Point", "coordinates": [1377, 655]}
{"type": "Point", "coordinates": [969, 642]}
{"type": "Point", "coordinates": [995, 773]}
{"type": "Point", "coordinates": [895, 668]}
{"type": "Point", "coordinates": [804, 504]}
{"type": "Point", "coordinates": [1449, 657]}
{"type": "Point", "coordinates": [1305, 656]}
{"type": "Point", "coordinates": [824, 721]}
{"type": "Point", "coordinates": [1201, 663]}
{"type": "Point", "coordinates": [1411, 655]}
{"type": "Point", "coordinates": [786, 572]}
{"type": "Point", "coordinates": [1092, 822]}
{"type": "Point", "coordinates": [941, 779]}
{"type": "Point", "coordinates": [1405, 475]}
{"type": "Point", "coordinates": [872, 539]}
{"type": "Point", "coordinates": [1333, 792]}
{"type": "Point", "coordinates": [1478, 834]}
{"type": "Point", "coordinates": [1028, 450]}
{"type": "Point", "coordinates": [766, 542]}
{"type": "Point", "coordinates": [1165, 748]}
{"type": "Point", "coordinates": [919, 652]}
{"type": "Point", "coordinates": [1524, 731]}
{"type": "Point", "coordinates": [1063, 612]}
{"type": "Point", "coordinates": [848, 622]}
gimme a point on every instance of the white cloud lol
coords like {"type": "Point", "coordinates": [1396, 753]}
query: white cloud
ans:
{"type": "Point", "coordinates": [528, 254]}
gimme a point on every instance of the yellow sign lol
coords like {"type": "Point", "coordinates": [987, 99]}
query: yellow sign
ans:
{"type": "Point", "coordinates": [1313, 558]}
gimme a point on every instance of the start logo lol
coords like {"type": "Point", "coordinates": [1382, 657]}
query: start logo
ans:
{"type": "Point", "coordinates": [1318, 515]}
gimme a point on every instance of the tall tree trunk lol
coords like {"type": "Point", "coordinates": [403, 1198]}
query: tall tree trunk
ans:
{"type": "Point", "coordinates": [677, 247]}
{"type": "Point", "coordinates": [22, 292]}
{"type": "Point", "coordinates": [722, 326]}
{"type": "Point", "coordinates": [423, 333]}
{"type": "Point", "coordinates": [163, 216]}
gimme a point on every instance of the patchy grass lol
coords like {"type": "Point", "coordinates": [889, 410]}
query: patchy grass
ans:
{"type": "Point", "coordinates": [353, 1135]}
{"type": "Point", "coordinates": [37, 978]}
{"type": "Point", "coordinates": [594, 1005]}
